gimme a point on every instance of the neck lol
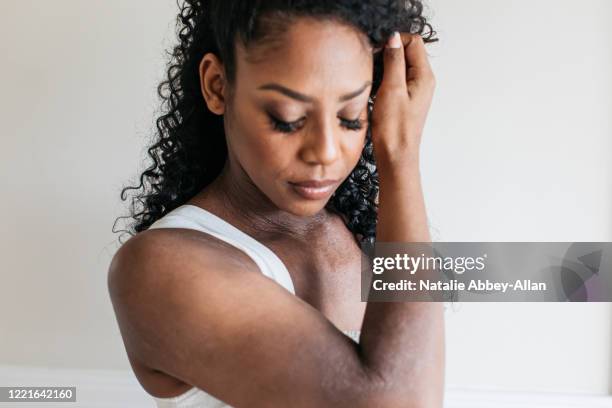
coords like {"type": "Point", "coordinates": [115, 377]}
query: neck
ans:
{"type": "Point", "coordinates": [234, 195]}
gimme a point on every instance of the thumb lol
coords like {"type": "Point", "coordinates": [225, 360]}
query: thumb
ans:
{"type": "Point", "coordinates": [394, 63]}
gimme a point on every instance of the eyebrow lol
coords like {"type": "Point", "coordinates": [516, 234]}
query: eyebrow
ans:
{"type": "Point", "coordinates": [305, 98]}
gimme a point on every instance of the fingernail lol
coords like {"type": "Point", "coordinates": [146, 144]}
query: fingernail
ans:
{"type": "Point", "coordinates": [394, 40]}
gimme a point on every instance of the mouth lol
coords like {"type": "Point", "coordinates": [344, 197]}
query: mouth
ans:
{"type": "Point", "coordinates": [314, 189]}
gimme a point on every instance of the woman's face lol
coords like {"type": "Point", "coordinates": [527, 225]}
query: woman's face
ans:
{"type": "Point", "coordinates": [297, 120]}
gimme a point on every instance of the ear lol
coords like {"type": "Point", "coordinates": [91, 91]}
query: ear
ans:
{"type": "Point", "coordinates": [212, 83]}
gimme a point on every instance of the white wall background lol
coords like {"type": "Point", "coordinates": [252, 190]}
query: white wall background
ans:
{"type": "Point", "coordinates": [517, 148]}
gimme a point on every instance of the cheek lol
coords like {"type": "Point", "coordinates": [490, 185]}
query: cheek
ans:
{"type": "Point", "coordinates": [263, 154]}
{"type": "Point", "coordinates": [353, 148]}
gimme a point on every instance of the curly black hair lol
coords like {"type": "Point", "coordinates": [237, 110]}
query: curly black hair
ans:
{"type": "Point", "coordinates": [184, 162]}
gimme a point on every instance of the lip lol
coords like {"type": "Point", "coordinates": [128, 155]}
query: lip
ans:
{"type": "Point", "coordinates": [314, 189]}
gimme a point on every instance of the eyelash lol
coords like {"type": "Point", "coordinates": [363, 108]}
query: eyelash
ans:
{"type": "Point", "coordinates": [290, 127]}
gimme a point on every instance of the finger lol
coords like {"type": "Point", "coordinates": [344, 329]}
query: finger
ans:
{"type": "Point", "coordinates": [420, 74]}
{"type": "Point", "coordinates": [415, 52]}
{"type": "Point", "coordinates": [394, 60]}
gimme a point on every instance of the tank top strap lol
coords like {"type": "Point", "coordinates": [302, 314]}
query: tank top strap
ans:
{"type": "Point", "coordinates": [197, 218]}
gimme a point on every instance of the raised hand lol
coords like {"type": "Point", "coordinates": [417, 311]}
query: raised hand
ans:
{"type": "Point", "coordinates": [402, 102]}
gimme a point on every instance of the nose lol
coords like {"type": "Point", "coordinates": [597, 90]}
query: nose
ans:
{"type": "Point", "coordinates": [321, 144]}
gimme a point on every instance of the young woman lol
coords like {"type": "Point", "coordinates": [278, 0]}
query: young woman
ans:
{"type": "Point", "coordinates": [241, 284]}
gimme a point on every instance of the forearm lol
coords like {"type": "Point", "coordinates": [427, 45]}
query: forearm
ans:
{"type": "Point", "coordinates": [403, 343]}
{"type": "Point", "coordinates": [402, 216]}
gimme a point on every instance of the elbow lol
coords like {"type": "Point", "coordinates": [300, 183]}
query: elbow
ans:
{"type": "Point", "coordinates": [378, 392]}
{"type": "Point", "coordinates": [389, 398]}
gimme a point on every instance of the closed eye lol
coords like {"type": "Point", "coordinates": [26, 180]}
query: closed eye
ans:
{"type": "Point", "coordinates": [290, 127]}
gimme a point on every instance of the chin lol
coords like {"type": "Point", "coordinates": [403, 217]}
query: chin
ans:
{"type": "Point", "coordinates": [304, 208]}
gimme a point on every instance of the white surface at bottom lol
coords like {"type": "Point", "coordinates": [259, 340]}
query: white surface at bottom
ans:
{"type": "Point", "coordinates": [115, 388]}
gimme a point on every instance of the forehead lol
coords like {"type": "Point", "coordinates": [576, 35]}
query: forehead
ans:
{"type": "Point", "coordinates": [313, 56]}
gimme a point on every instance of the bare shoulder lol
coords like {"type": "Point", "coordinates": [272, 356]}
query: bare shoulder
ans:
{"type": "Point", "coordinates": [142, 255]}
{"type": "Point", "coordinates": [160, 260]}
{"type": "Point", "coordinates": [153, 266]}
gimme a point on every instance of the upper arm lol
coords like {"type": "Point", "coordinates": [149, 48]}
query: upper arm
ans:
{"type": "Point", "coordinates": [214, 322]}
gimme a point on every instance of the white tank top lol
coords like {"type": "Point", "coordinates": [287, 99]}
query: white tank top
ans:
{"type": "Point", "coordinates": [194, 217]}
